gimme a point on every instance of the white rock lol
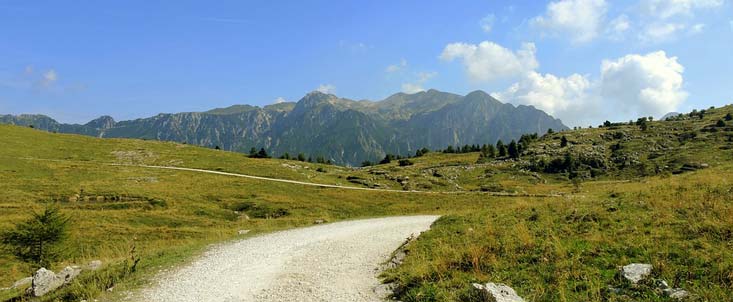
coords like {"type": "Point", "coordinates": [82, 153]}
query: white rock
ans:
{"type": "Point", "coordinates": [68, 274]}
{"type": "Point", "coordinates": [45, 281]}
{"type": "Point", "coordinates": [676, 293]}
{"type": "Point", "coordinates": [94, 265]}
{"type": "Point", "coordinates": [242, 232]}
{"type": "Point", "coordinates": [497, 292]}
{"type": "Point", "coordinates": [22, 282]}
{"type": "Point", "coordinates": [636, 272]}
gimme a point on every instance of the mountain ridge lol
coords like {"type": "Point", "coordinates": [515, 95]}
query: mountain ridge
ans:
{"type": "Point", "coordinates": [319, 124]}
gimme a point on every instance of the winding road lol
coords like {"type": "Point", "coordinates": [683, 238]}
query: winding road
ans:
{"type": "Point", "coordinates": [331, 262]}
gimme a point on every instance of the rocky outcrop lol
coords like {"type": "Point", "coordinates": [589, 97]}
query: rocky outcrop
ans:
{"type": "Point", "coordinates": [497, 292]}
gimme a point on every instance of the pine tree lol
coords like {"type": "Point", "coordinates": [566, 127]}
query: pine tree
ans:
{"type": "Point", "coordinates": [513, 149]}
{"type": "Point", "coordinates": [501, 148]}
{"type": "Point", "coordinates": [36, 241]}
{"type": "Point", "coordinates": [728, 117]}
{"type": "Point", "coordinates": [253, 152]}
{"type": "Point", "coordinates": [563, 141]}
{"type": "Point", "coordinates": [301, 157]}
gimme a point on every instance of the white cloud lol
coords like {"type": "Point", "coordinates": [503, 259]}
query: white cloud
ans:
{"type": "Point", "coordinates": [580, 19]}
{"type": "Point", "coordinates": [643, 85]}
{"type": "Point", "coordinates": [660, 32]}
{"type": "Point", "coordinates": [417, 86]}
{"type": "Point", "coordinates": [411, 88]}
{"type": "Point", "coordinates": [697, 28]}
{"type": "Point", "coordinates": [326, 88]}
{"type": "Point", "coordinates": [489, 61]}
{"type": "Point", "coordinates": [487, 23]}
{"type": "Point", "coordinates": [397, 67]}
{"type": "Point", "coordinates": [618, 27]}
{"type": "Point", "coordinates": [568, 98]}
{"type": "Point", "coordinates": [279, 100]}
{"type": "Point", "coordinates": [665, 9]}
{"type": "Point", "coordinates": [631, 86]}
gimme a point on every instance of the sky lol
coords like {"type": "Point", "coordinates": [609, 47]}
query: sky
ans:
{"type": "Point", "coordinates": [583, 61]}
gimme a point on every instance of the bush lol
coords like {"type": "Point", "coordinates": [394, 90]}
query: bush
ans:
{"type": "Point", "coordinates": [36, 241]}
{"type": "Point", "coordinates": [405, 162]}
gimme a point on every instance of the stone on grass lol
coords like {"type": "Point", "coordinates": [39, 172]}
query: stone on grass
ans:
{"type": "Point", "coordinates": [94, 265]}
{"type": "Point", "coordinates": [242, 232]}
{"type": "Point", "coordinates": [497, 292]}
{"type": "Point", "coordinates": [45, 281]}
{"type": "Point", "coordinates": [636, 272]}
{"type": "Point", "coordinates": [22, 282]}
{"type": "Point", "coordinates": [68, 274]}
{"type": "Point", "coordinates": [676, 293]}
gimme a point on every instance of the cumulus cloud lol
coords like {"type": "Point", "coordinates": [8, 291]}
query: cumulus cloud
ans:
{"type": "Point", "coordinates": [397, 67]}
{"type": "Point", "coordinates": [489, 61]}
{"type": "Point", "coordinates": [417, 86]}
{"type": "Point", "coordinates": [631, 86]}
{"type": "Point", "coordinates": [665, 9]}
{"type": "Point", "coordinates": [487, 23]}
{"type": "Point", "coordinates": [648, 84]}
{"type": "Point", "coordinates": [579, 19]}
{"type": "Point", "coordinates": [326, 88]}
{"type": "Point", "coordinates": [551, 93]}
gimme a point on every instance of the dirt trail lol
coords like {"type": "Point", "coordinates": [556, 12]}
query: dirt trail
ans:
{"type": "Point", "coordinates": [332, 262]}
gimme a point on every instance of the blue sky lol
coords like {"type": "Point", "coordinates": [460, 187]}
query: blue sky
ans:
{"type": "Point", "coordinates": [581, 60]}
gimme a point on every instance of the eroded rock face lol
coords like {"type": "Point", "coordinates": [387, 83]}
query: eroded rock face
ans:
{"type": "Point", "coordinates": [45, 281]}
{"type": "Point", "coordinates": [497, 292]}
{"type": "Point", "coordinates": [636, 272]}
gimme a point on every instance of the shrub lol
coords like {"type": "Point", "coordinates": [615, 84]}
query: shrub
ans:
{"type": "Point", "coordinates": [405, 162]}
{"type": "Point", "coordinates": [720, 123]}
{"type": "Point", "coordinates": [36, 241]}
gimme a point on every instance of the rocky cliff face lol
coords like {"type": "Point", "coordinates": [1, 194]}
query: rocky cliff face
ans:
{"type": "Point", "coordinates": [339, 129]}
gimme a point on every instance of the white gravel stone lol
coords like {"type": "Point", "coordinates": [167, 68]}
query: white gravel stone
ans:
{"type": "Point", "coordinates": [329, 262]}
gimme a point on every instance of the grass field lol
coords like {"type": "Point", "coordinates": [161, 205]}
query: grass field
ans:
{"type": "Point", "coordinates": [563, 248]}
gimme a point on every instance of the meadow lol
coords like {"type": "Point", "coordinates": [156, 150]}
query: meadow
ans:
{"type": "Point", "coordinates": [668, 203]}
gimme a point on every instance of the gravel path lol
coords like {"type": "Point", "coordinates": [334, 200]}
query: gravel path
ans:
{"type": "Point", "coordinates": [331, 262]}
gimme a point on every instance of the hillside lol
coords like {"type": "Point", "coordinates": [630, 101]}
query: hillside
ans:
{"type": "Point", "coordinates": [342, 130]}
{"type": "Point", "coordinates": [560, 234]}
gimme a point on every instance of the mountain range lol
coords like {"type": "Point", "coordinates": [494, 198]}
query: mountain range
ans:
{"type": "Point", "coordinates": [342, 130]}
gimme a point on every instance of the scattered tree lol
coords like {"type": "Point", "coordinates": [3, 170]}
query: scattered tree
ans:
{"type": "Point", "coordinates": [513, 149]}
{"type": "Point", "coordinates": [501, 148]}
{"type": "Point", "coordinates": [36, 241]}
{"type": "Point", "coordinates": [301, 157]}
{"type": "Point", "coordinates": [563, 141]}
{"type": "Point", "coordinates": [720, 123]}
{"type": "Point", "coordinates": [728, 117]}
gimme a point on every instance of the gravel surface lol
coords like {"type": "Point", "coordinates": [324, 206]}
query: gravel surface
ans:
{"type": "Point", "coordinates": [331, 262]}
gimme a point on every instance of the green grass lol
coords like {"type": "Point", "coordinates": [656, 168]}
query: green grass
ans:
{"type": "Point", "coordinates": [563, 248]}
